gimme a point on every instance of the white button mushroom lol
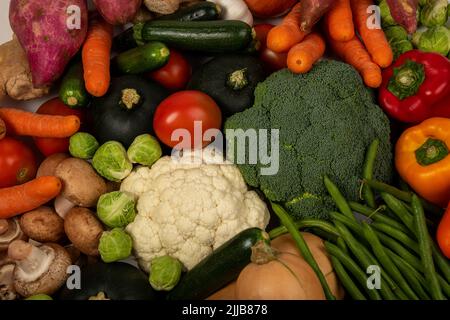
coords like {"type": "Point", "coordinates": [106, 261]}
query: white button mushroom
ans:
{"type": "Point", "coordinates": [38, 270]}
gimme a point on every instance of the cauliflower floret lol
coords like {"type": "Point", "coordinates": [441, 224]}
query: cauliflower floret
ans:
{"type": "Point", "coordinates": [186, 210]}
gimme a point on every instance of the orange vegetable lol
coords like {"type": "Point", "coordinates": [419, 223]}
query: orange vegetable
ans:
{"type": "Point", "coordinates": [354, 53]}
{"type": "Point", "coordinates": [373, 36]}
{"type": "Point", "coordinates": [24, 123]}
{"type": "Point", "coordinates": [339, 21]}
{"type": "Point", "coordinates": [302, 56]}
{"type": "Point", "coordinates": [283, 37]}
{"type": "Point", "coordinates": [96, 57]}
{"type": "Point", "coordinates": [443, 233]}
{"type": "Point", "coordinates": [422, 159]}
{"type": "Point", "coordinates": [28, 196]}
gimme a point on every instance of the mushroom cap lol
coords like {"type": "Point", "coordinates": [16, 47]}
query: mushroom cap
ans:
{"type": "Point", "coordinates": [7, 290]}
{"type": "Point", "coordinates": [81, 184]}
{"type": "Point", "coordinates": [49, 282]}
{"type": "Point", "coordinates": [42, 224]}
{"type": "Point", "coordinates": [84, 230]}
{"type": "Point", "coordinates": [49, 165]}
{"type": "Point", "coordinates": [12, 233]}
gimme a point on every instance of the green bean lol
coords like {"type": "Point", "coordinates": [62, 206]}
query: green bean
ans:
{"type": "Point", "coordinates": [346, 281]}
{"type": "Point", "coordinates": [404, 186]}
{"type": "Point", "coordinates": [414, 278]}
{"type": "Point", "coordinates": [338, 198]}
{"type": "Point", "coordinates": [341, 244]}
{"type": "Point", "coordinates": [425, 249]}
{"type": "Point", "coordinates": [371, 156]}
{"type": "Point", "coordinates": [399, 209]}
{"type": "Point", "coordinates": [365, 210]}
{"type": "Point", "coordinates": [441, 262]}
{"type": "Point", "coordinates": [444, 285]}
{"type": "Point", "coordinates": [349, 223]}
{"type": "Point", "coordinates": [353, 268]}
{"type": "Point", "coordinates": [306, 223]}
{"type": "Point", "coordinates": [396, 234]}
{"type": "Point", "coordinates": [386, 262]}
{"type": "Point", "coordinates": [303, 247]}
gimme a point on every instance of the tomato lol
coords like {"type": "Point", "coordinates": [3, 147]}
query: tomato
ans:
{"type": "Point", "coordinates": [180, 111]}
{"type": "Point", "coordinates": [272, 61]}
{"type": "Point", "coordinates": [49, 146]}
{"type": "Point", "coordinates": [175, 74]}
{"type": "Point", "coordinates": [17, 163]}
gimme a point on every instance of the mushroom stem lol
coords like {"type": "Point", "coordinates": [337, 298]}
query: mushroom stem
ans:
{"type": "Point", "coordinates": [63, 206]}
{"type": "Point", "coordinates": [31, 261]}
{"type": "Point", "coordinates": [4, 226]}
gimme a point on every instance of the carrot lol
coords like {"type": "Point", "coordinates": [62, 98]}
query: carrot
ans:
{"type": "Point", "coordinates": [339, 21]}
{"type": "Point", "coordinates": [354, 53]}
{"type": "Point", "coordinates": [373, 36]}
{"type": "Point", "coordinates": [302, 56]}
{"type": "Point", "coordinates": [24, 123]}
{"type": "Point", "coordinates": [2, 129]}
{"type": "Point", "coordinates": [96, 57]}
{"type": "Point", "coordinates": [287, 34]}
{"type": "Point", "coordinates": [28, 196]}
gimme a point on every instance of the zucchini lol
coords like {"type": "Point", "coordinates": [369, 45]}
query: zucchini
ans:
{"type": "Point", "coordinates": [202, 11]}
{"type": "Point", "coordinates": [148, 57]}
{"type": "Point", "coordinates": [129, 39]}
{"type": "Point", "coordinates": [205, 36]}
{"type": "Point", "coordinates": [73, 91]}
{"type": "Point", "coordinates": [220, 268]}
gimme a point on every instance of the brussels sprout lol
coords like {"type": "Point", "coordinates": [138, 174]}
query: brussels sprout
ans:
{"type": "Point", "coordinates": [400, 46]}
{"type": "Point", "coordinates": [434, 13]}
{"type": "Point", "coordinates": [386, 17]}
{"type": "Point", "coordinates": [165, 272]}
{"type": "Point", "coordinates": [396, 33]}
{"type": "Point", "coordinates": [111, 161]}
{"type": "Point", "coordinates": [144, 150]}
{"type": "Point", "coordinates": [416, 37]}
{"type": "Point", "coordinates": [115, 245]}
{"type": "Point", "coordinates": [83, 145]}
{"type": "Point", "coordinates": [116, 209]}
{"type": "Point", "coordinates": [436, 39]}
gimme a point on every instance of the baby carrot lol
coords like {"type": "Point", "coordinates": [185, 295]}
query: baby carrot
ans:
{"type": "Point", "coordinates": [302, 56]}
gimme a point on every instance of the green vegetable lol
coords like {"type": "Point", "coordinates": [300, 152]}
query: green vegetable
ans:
{"type": "Point", "coordinates": [400, 46]}
{"type": "Point", "coordinates": [369, 163]}
{"type": "Point", "coordinates": [165, 273]}
{"type": "Point", "coordinates": [83, 145]}
{"type": "Point", "coordinates": [326, 119]}
{"type": "Point", "coordinates": [115, 245]}
{"type": "Point", "coordinates": [346, 280]}
{"type": "Point", "coordinates": [396, 234]}
{"type": "Point", "coordinates": [396, 33]}
{"type": "Point", "coordinates": [434, 13]}
{"type": "Point", "coordinates": [219, 268]}
{"type": "Point", "coordinates": [304, 224]}
{"type": "Point", "coordinates": [148, 57]}
{"type": "Point", "coordinates": [206, 36]}
{"type": "Point", "coordinates": [72, 90]}
{"type": "Point", "coordinates": [111, 161]}
{"type": "Point", "coordinates": [386, 17]}
{"type": "Point", "coordinates": [40, 297]}
{"type": "Point", "coordinates": [338, 198]}
{"type": "Point", "coordinates": [435, 39]}
{"type": "Point", "coordinates": [116, 209]}
{"type": "Point", "coordinates": [144, 150]}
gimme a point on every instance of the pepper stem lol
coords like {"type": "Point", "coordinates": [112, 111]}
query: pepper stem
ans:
{"type": "Point", "coordinates": [130, 98]}
{"type": "Point", "coordinates": [407, 79]}
{"type": "Point", "coordinates": [238, 80]}
{"type": "Point", "coordinates": [431, 151]}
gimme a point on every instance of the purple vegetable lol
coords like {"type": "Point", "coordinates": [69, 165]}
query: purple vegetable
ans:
{"type": "Point", "coordinates": [118, 12]}
{"type": "Point", "coordinates": [51, 32]}
{"type": "Point", "coordinates": [404, 13]}
{"type": "Point", "coordinates": [311, 11]}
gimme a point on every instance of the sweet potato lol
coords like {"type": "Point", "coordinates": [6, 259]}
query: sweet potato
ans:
{"type": "Point", "coordinates": [118, 12]}
{"type": "Point", "coordinates": [50, 32]}
{"type": "Point", "coordinates": [311, 11]}
{"type": "Point", "coordinates": [404, 13]}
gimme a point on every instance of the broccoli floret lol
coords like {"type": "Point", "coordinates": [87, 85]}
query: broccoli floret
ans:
{"type": "Point", "coordinates": [327, 119]}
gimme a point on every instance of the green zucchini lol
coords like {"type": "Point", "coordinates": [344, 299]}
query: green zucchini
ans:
{"type": "Point", "coordinates": [148, 57]}
{"type": "Point", "coordinates": [202, 11]}
{"type": "Point", "coordinates": [205, 36]}
{"type": "Point", "coordinates": [72, 91]}
{"type": "Point", "coordinates": [220, 268]}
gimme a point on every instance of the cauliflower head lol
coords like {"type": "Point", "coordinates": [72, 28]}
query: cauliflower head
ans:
{"type": "Point", "coordinates": [186, 210]}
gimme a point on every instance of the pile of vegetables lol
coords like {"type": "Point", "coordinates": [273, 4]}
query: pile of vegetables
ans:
{"type": "Point", "coordinates": [133, 173]}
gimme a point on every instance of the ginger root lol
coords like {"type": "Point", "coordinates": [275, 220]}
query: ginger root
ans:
{"type": "Point", "coordinates": [15, 75]}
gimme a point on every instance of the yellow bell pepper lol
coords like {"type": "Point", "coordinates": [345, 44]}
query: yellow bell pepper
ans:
{"type": "Point", "coordinates": [422, 159]}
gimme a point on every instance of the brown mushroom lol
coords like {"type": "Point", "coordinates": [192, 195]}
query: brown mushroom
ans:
{"type": "Point", "coordinates": [82, 186]}
{"type": "Point", "coordinates": [48, 166]}
{"type": "Point", "coordinates": [39, 270]}
{"type": "Point", "coordinates": [9, 231]}
{"type": "Point", "coordinates": [42, 224]}
{"type": "Point", "coordinates": [84, 230]}
{"type": "Point", "coordinates": [7, 290]}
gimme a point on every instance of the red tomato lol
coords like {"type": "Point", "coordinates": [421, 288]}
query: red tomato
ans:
{"type": "Point", "coordinates": [17, 163]}
{"type": "Point", "coordinates": [272, 61]}
{"type": "Point", "coordinates": [49, 146]}
{"type": "Point", "coordinates": [175, 74]}
{"type": "Point", "coordinates": [179, 111]}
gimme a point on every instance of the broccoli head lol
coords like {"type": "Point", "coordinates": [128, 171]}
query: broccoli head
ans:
{"type": "Point", "coordinates": [326, 120]}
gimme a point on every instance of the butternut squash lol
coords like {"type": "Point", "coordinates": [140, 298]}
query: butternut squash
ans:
{"type": "Point", "coordinates": [226, 293]}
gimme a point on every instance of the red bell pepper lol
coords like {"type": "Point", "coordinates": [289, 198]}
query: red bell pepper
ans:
{"type": "Point", "coordinates": [416, 87]}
